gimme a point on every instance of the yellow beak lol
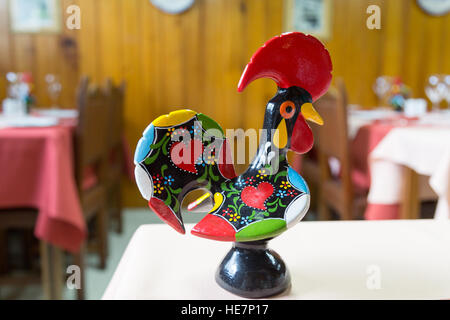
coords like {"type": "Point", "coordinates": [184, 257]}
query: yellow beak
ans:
{"type": "Point", "coordinates": [309, 113]}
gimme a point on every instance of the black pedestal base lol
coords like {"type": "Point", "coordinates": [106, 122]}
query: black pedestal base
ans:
{"type": "Point", "coordinates": [251, 270]}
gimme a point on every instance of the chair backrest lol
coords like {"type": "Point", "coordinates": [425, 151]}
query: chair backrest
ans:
{"type": "Point", "coordinates": [91, 132]}
{"type": "Point", "coordinates": [332, 142]}
{"type": "Point", "coordinates": [332, 136]}
{"type": "Point", "coordinates": [116, 100]}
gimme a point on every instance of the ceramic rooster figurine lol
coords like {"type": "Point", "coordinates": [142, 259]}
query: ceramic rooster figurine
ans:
{"type": "Point", "coordinates": [185, 150]}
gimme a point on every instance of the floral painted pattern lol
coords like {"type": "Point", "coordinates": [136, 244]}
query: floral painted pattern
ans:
{"type": "Point", "coordinates": [276, 195]}
{"type": "Point", "coordinates": [171, 180]}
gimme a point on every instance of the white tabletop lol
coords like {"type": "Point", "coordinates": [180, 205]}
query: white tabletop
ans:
{"type": "Point", "coordinates": [27, 121]}
{"type": "Point", "coordinates": [56, 112]}
{"type": "Point", "coordinates": [328, 260]}
{"type": "Point", "coordinates": [358, 118]}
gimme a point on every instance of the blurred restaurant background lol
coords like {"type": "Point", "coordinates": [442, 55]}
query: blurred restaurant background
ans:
{"type": "Point", "coordinates": [137, 61]}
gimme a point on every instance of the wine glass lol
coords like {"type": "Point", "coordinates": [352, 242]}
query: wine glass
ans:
{"type": "Point", "coordinates": [53, 88]}
{"type": "Point", "coordinates": [435, 90]}
{"type": "Point", "coordinates": [447, 92]}
{"type": "Point", "coordinates": [381, 87]}
{"type": "Point", "coordinates": [18, 93]}
{"type": "Point", "coordinates": [13, 79]}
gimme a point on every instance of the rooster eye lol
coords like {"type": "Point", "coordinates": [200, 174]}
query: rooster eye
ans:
{"type": "Point", "coordinates": [287, 109]}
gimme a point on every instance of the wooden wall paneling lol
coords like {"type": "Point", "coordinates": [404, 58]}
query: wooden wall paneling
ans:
{"type": "Point", "coordinates": [232, 61]}
{"type": "Point", "coordinates": [339, 37]}
{"type": "Point", "coordinates": [430, 53]}
{"type": "Point", "coordinates": [110, 40]}
{"type": "Point", "coordinates": [370, 60]}
{"type": "Point", "coordinates": [357, 53]}
{"type": "Point", "coordinates": [216, 66]}
{"type": "Point", "coordinates": [331, 45]}
{"type": "Point", "coordinates": [446, 44]}
{"type": "Point", "coordinates": [444, 58]}
{"type": "Point", "coordinates": [135, 122]}
{"type": "Point", "coordinates": [253, 97]}
{"type": "Point", "coordinates": [156, 62]}
{"type": "Point", "coordinates": [46, 60]}
{"type": "Point", "coordinates": [352, 28]}
{"type": "Point", "coordinates": [433, 52]}
{"type": "Point", "coordinates": [132, 16]}
{"type": "Point", "coordinates": [254, 101]}
{"type": "Point", "coordinates": [173, 59]}
{"type": "Point", "coordinates": [6, 62]}
{"type": "Point", "coordinates": [68, 56]}
{"type": "Point", "coordinates": [414, 51]}
{"type": "Point", "coordinates": [230, 50]}
{"type": "Point", "coordinates": [88, 40]}
{"type": "Point", "coordinates": [195, 59]}
{"type": "Point", "coordinates": [23, 52]}
{"type": "Point", "coordinates": [212, 45]}
{"type": "Point", "coordinates": [433, 55]}
{"type": "Point", "coordinates": [224, 60]}
{"type": "Point", "coordinates": [147, 101]}
{"type": "Point", "coordinates": [193, 66]}
{"type": "Point", "coordinates": [274, 26]}
{"type": "Point", "coordinates": [149, 59]}
{"type": "Point", "coordinates": [393, 27]}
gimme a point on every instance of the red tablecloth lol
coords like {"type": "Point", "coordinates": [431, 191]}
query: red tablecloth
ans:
{"type": "Point", "coordinates": [36, 170]}
{"type": "Point", "coordinates": [366, 139]}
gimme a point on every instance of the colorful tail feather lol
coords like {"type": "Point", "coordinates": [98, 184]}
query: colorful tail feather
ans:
{"type": "Point", "coordinates": [178, 153]}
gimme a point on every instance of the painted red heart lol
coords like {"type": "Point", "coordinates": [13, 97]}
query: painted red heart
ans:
{"type": "Point", "coordinates": [255, 197]}
{"type": "Point", "coordinates": [184, 155]}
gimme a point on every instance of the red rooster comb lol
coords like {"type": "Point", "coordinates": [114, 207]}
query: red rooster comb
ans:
{"type": "Point", "coordinates": [291, 59]}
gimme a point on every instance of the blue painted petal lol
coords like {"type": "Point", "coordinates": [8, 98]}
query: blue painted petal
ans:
{"type": "Point", "coordinates": [143, 146]}
{"type": "Point", "coordinates": [149, 132]}
{"type": "Point", "coordinates": [297, 181]}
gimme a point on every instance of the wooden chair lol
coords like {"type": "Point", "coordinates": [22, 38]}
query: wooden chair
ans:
{"type": "Point", "coordinates": [337, 190]}
{"type": "Point", "coordinates": [116, 96]}
{"type": "Point", "coordinates": [22, 219]}
{"type": "Point", "coordinates": [50, 275]}
{"type": "Point", "coordinates": [310, 170]}
{"type": "Point", "coordinates": [91, 157]}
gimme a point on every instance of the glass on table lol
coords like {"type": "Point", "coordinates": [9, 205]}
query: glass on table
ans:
{"type": "Point", "coordinates": [54, 88]}
{"type": "Point", "coordinates": [447, 92]}
{"type": "Point", "coordinates": [14, 105]}
{"type": "Point", "coordinates": [382, 87]}
{"type": "Point", "coordinates": [436, 90]}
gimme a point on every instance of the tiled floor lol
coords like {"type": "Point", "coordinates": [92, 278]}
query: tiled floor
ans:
{"type": "Point", "coordinates": [96, 279]}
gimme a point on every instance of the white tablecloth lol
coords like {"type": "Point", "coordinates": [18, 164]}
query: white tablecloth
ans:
{"type": "Point", "coordinates": [360, 117]}
{"type": "Point", "coordinates": [426, 150]}
{"type": "Point", "coordinates": [395, 259]}
{"type": "Point", "coordinates": [27, 121]}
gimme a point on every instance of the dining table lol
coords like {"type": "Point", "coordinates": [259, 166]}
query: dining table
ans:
{"type": "Point", "coordinates": [392, 153]}
{"type": "Point", "coordinates": [37, 171]}
{"type": "Point", "coordinates": [326, 260]}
